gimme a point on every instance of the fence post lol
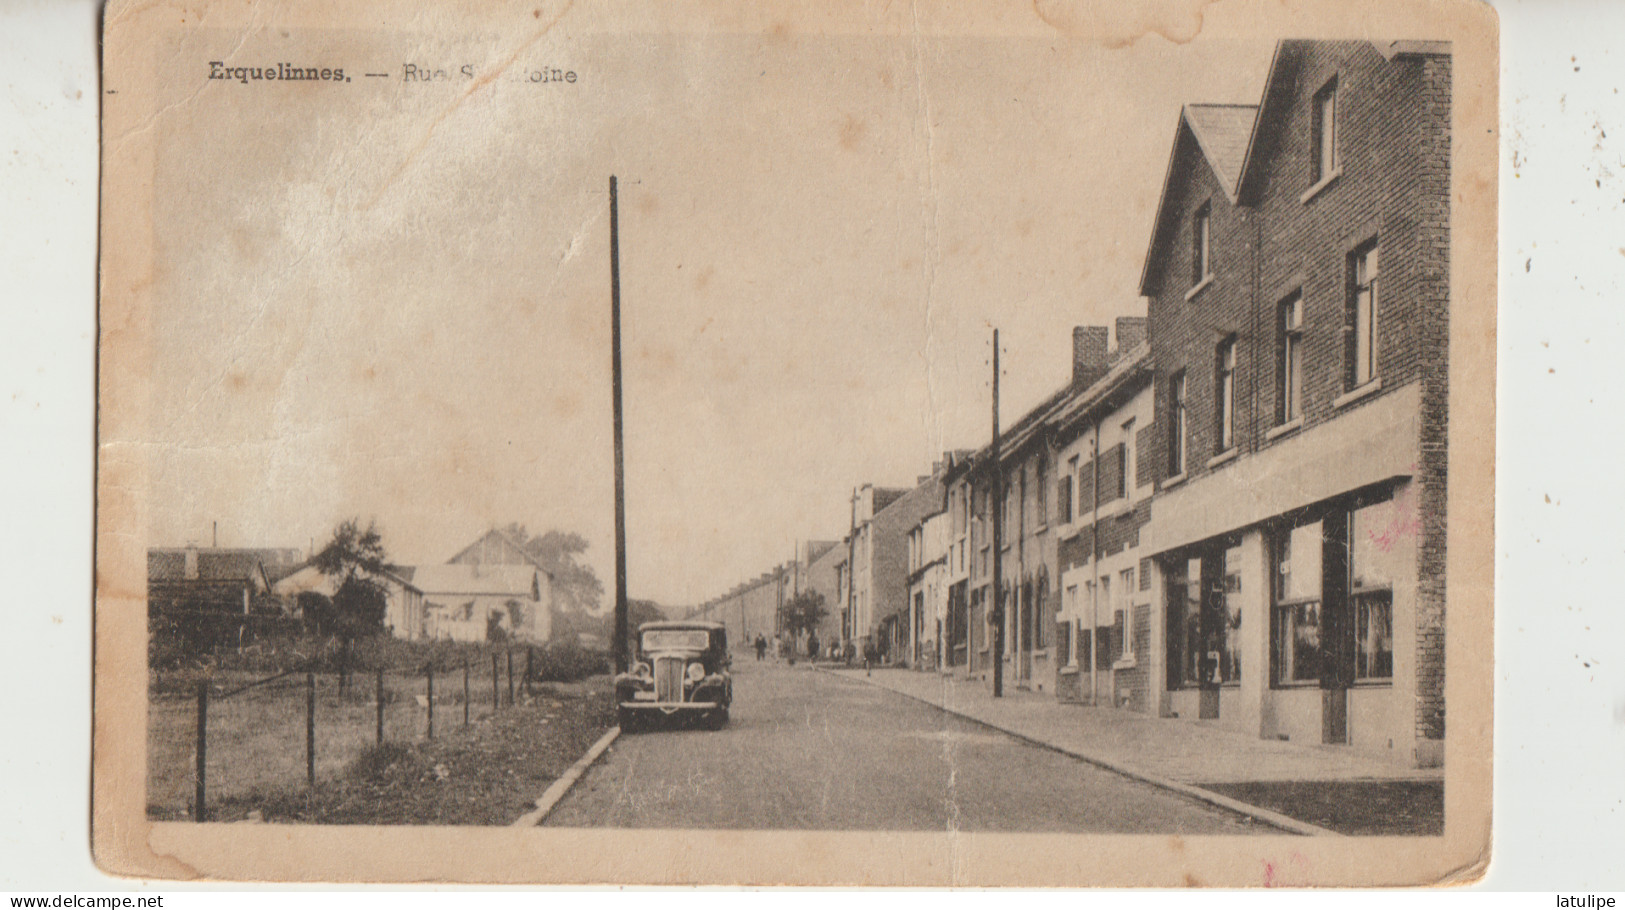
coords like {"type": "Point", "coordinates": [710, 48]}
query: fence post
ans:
{"type": "Point", "coordinates": [496, 699]}
{"type": "Point", "coordinates": [380, 700]}
{"type": "Point", "coordinates": [530, 665]}
{"type": "Point", "coordinates": [510, 676]}
{"type": "Point", "coordinates": [431, 701]}
{"type": "Point", "coordinates": [465, 691]}
{"type": "Point", "coordinates": [310, 728]}
{"type": "Point", "coordinates": [200, 812]}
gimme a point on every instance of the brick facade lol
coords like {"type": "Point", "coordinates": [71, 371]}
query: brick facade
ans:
{"type": "Point", "coordinates": [1278, 234]}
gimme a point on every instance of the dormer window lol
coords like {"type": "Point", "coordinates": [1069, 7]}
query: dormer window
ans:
{"type": "Point", "coordinates": [1323, 138]}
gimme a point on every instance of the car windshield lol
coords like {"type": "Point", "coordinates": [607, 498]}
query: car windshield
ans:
{"type": "Point", "coordinates": [676, 640]}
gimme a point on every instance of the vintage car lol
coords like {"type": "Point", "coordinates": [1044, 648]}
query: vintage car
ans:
{"type": "Point", "coordinates": [678, 668]}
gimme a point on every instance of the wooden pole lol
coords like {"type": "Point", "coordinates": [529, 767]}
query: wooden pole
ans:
{"type": "Point", "coordinates": [431, 701]}
{"type": "Point", "coordinates": [200, 811]}
{"type": "Point", "coordinates": [496, 700]}
{"type": "Point", "coordinates": [997, 610]}
{"type": "Point", "coordinates": [379, 699]}
{"type": "Point", "coordinates": [619, 642]}
{"type": "Point", "coordinates": [510, 676]}
{"type": "Point", "coordinates": [310, 729]}
{"type": "Point", "coordinates": [465, 691]}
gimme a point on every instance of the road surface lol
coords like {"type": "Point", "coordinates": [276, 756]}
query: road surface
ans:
{"type": "Point", "coordinates": [808, 750]}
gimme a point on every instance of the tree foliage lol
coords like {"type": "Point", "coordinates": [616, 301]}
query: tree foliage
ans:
{"type": "Point", "coordinates": [355, 559]}
{"type": "Point", "coordinates": [803, 612]}
{"type": "Point", "coordinates": [575, 584]}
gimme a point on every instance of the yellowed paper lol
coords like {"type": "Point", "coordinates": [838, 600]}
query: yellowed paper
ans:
{"type": "Point", "coordinates": [356, 263]}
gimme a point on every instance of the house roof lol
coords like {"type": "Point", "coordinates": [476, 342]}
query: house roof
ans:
{"type": "Point", "coordinates": [466, 579]}
{"type": "Point", "coordinates": [306, 577]}
{"type": "Point", "coordinates": [1064, 408]}
{"type": "Point", "coordinates": [220, 564]}
{"type": "Point", "coordinates": [1222, 131]}
{"type": "Point", "coordinates": [509, 544]}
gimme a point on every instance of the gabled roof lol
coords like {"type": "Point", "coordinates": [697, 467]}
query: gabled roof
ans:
{"type": "Point", "coordinates": [1279, 80]}
{"type": "Point", "coordinates": [467, 579]}
{"type": "Point", "coordinates": [306, 577]}
{"type": "Point", "coordinates": [220, 564]}
{"type": "Point", "coordinates": [1222, 133]}
{"type": "Point", "coordinates": [508, 545]}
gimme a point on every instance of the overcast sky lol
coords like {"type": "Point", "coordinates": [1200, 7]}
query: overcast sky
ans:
{"type": "Point", "coordinates": [392, 300]}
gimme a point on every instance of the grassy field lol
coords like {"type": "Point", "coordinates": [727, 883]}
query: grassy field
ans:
{"type": "Point", "coordinates": [256, 739]}
{"type": "Point", "coordinates": [489, 773]}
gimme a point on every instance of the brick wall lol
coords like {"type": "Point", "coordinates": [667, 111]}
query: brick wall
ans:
{"type": "Point", "coordinates": [1117, 533]}
{"type": "Point", "coordinates": [1434, 228]}
{"type": "Point", "coordinates": [1394, 146]}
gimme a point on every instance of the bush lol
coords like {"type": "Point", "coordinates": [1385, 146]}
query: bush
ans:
{"type": "Point", "coordinates": [564, 660]}
{"type": "Point", "coordinates": [375, 761]}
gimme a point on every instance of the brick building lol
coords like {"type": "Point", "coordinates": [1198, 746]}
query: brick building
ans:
{"type": "Point", "coordinates": [1105, 632]}
{"type": "Point", "coordinates": [1297, 281]}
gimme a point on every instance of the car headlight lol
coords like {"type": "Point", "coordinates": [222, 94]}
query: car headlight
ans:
{"type": "Point", "coordinates": [696, 672]}
{"type": "Point", "coordinates": [643, 671]}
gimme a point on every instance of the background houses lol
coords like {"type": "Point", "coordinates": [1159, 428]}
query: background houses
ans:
{"type": "Point", "coordinates": [1235, 515]}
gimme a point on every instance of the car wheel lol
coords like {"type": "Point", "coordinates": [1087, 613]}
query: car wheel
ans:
{"type": "Point", "coordinates": [628, 720]}
{"type": "Point", "coordinates": [719, 718]}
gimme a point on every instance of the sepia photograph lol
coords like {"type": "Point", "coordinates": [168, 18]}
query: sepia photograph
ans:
{"type": "Point", "coordinates": [1043, 446]}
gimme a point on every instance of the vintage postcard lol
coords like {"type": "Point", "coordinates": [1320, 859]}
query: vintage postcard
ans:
{"type": "Point", "coordinates": [1015, 444]}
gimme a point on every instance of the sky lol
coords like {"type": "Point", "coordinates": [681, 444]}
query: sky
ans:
{"type": "Point", "coordinates": [391, 300]}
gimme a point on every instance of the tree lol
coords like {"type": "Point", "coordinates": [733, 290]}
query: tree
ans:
{"type": "Point", "coordinates": [355, 558]}
{"type": "Point", "coordinates": [803, 613]}
{"type": "Point", "coordinates": [575, 584]}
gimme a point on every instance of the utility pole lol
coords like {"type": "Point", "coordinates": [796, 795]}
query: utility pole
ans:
{"type": "Point", "coordinates": [997, 612]}
{"type": "Point", "coordinates": [620, 637]}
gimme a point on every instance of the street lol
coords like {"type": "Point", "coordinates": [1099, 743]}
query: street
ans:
{"type": "Point", "coordinates": [808, 750]}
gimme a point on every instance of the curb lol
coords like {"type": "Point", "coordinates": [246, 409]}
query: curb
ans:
{"type": "Point", "coordinates": [555, 792]}
{"type": "Point", "coordinates": [1269, 816]}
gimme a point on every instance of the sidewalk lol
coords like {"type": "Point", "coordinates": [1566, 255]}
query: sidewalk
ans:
{"type": "Point", "coordinates": [1182, 751]}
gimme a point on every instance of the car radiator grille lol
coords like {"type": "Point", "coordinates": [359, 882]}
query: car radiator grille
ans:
{"type": "Point", "coordinates": [669, 679]}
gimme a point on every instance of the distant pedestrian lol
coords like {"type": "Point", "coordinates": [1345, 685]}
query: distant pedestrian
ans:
{"type": "Point", "coordinates": [761, 647]}
{"type": "Point", "coordinates": [812, 645]}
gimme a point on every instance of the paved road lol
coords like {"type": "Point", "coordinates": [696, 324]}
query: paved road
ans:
{"type": "Point", "coordinates": [807, 750]}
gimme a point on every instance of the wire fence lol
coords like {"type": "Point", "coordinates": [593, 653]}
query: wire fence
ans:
{"type": "Point", "coordinates": [236, 734]}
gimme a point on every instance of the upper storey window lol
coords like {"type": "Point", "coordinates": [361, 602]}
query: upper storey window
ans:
{"type": "Point", "coordinates": [1201, 245]}
{"type": "Point", "coordinates": [1323, 138]}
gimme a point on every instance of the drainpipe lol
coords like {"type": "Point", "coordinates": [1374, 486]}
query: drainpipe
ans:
{"type": "Point", "coordinates": [1094, 569]}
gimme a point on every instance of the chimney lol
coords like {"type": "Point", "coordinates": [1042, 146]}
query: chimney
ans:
{"type": "Point", "coordinates": [1130, 333]}
{"type": "Point", "coordinates": [1089, 354]}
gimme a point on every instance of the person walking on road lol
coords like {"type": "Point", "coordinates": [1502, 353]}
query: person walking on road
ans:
{"type": "Point", "coordinates": [761, 647]}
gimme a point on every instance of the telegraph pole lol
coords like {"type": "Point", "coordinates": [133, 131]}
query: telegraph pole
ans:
{"type": "Point", "coordinates": [620, 638]}
{"type": "Point", "coordinates": [997, 610]}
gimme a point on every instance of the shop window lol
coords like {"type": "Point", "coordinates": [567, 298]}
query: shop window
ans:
{"type": "Point", "coordinates": [1297, 605]}
{"type": "Point", "coordinates": [1183, 580]}
{"type": "Point", "coordinates": [1374, 635]}
{"type": "Point", "coordinates": [1375, 558]}
{"type": "Point", "coordinates": [1228, 630]}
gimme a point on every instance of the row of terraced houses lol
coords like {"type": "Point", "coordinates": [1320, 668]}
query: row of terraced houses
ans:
{"type": "Point", "coordinates": [1234, 514]}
